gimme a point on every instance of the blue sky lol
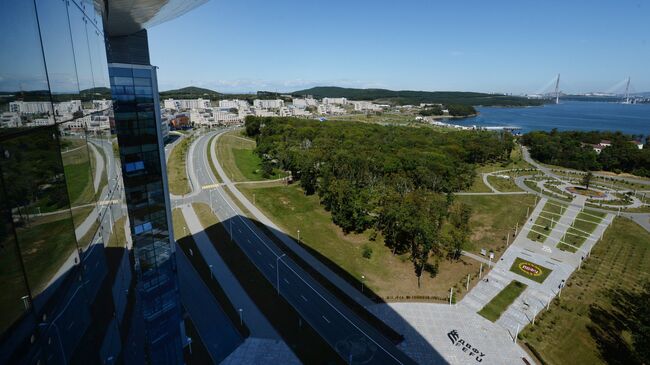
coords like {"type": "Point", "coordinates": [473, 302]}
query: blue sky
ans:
{"type": "Point", "coordinates": [513, 46]}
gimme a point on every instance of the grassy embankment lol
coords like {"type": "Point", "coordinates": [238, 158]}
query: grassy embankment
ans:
{"type": "Point", "coordinates": [590, 324]}
{"type": "Point", "coordinates": [176, 173]}
{"type": "Point", "coordinates": [495, 307]}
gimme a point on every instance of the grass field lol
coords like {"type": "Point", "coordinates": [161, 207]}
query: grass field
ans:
{"type": "Point", "coordinates": [546, 221]}
{"type": "Point", "coordinates": [591, 322]}
{"type": "Point", "coordinates": [530, 270]}
{"type": "Point", "coordinates": [586, 222]}
{"type": "Point", "coordinates": [389, 276]}
{"type": "Point", "coordinates": [210, 162]}
{"type": "Point", "coordinates": [238, 159]}
{"type": "Point", "coordinates": [478, 186]}
{"type": "Point", "coordinates": [494, 217]}
{"type": "Point", "coordinates": [502, 301]}
{"type": "Point", "coordinates": [118, 238]}
{"type": "Point", "coordinates": [79, 174]}
{"type": "Point", "coordinates": [503, 185]}
{"type": "Point", "coordinates": [176, 173]}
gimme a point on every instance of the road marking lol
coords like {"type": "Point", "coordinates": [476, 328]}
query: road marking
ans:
{"type": "Point", "coordinates": [247, 240]}
{"type": "Point", "coordinates": [272, 267]}
{"type": "Point", "coordinates": [326, 320]}
{"type": "Point", "coordinates": [305, 299]}
{"type": "Point", "coordinates": [238, 230]}
{"type": "Point", "coordinates": [285, 280]}
{"type": "Point", "coordinates": [259, 253]}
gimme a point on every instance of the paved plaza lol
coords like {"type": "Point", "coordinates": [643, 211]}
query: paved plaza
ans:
{"type": "Point", "coordinates": [456, 333]}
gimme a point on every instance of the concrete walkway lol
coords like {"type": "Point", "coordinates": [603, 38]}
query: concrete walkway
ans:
{"type": "Point", "coordinates": [261, 351]}
{"type": "Point", "coordinates": [537, 295]}
{"type": "Point", "coordinates": [217, 332]}
{"type": "Point", "coordinates": [254, 319]}
{"type": "Point", "coordinates": [99, 166]}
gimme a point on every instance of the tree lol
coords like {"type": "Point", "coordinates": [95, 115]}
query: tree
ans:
{"type": "Point", "coordinates": [586, 180]}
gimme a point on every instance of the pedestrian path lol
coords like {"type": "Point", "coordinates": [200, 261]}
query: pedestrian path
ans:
{"type": "Point", "coordinates": [255, 321]}
{"type": "Point", "coordinates": [261, 351]}
{"type": "Point", "coordinates": [558, 264]}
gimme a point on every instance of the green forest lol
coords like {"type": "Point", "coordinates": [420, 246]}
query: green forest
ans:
{"type": "Point", "coordinates": [573, 149]}
{"type": "Point", "coordinates": [404, 97]}
{"type": "Point", "coordinates": [395, 180]}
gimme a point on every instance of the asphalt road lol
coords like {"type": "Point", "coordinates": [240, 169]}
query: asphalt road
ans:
{"type": "Point", "coordinates": [354, 339]}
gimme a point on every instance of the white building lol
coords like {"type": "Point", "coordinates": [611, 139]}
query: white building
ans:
{"type": "Point", "coordinates": [44, 107]}
{"type": "Point", "coordinates": [182, 104]}
{"type": "Point", "coordinates": [365, 106]}
{"type": "Point", "coordinates": [10, 120]}
{"type": "Point", "coordinates": [102, 104]}
{"type": "Point", "coordinates": [234, 103]}
{"type": "Point", "coordinates": [226, 118]}
{"type": "Point", "coordinates": [268, 104]}
{"type": "Point", "coordinates": [30, 107]}
{"type": "Point", "coordinates": [304, 103]}
{"type": "Point", "coordinates": [336, 101]}
{"type": "Point", "coordinates": [263, 113]}
{"type": "Point", "coordinates": [39, 122]}
{"type": "Point", "coordinates": [330, 109]}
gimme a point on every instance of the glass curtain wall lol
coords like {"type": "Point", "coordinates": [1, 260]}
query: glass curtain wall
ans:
{"type": "Point", "coordinates": [60, 184]}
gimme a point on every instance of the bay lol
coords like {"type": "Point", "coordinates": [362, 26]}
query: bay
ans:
{"type": "Point", "coordinates": [570, 115]}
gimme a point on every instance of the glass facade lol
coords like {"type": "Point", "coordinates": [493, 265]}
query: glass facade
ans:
{"type": "Point", "coordinates": [137, 116]}
{"type": "Point", "coordinates": [61, 195]}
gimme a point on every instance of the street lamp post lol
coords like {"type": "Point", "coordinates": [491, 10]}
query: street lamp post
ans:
{"type": "Point", "coordinates": [363, 277]}
{"type": "Point", "coordinates": [298, 236]}
{"type": "Point", "coordinates": [211, 273]}
{"type": "Point", "coordinates": [241, 317]}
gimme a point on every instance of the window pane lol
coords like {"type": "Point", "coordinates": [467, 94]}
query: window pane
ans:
{"type": "Point", "coordinates": [38, 199]}
{"type": "Point", "coordinates": [59, 57]}
{"type": "Point", "coordinates": [22, 70]}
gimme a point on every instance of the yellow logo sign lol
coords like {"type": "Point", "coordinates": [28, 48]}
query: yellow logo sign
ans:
{"type": "Point", "coordinates": [530, 268]}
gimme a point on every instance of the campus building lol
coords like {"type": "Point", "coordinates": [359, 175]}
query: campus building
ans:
{"type": "Point", "coordinates": [87, 259]}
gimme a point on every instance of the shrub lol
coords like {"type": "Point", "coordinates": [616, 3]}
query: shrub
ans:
{"type": "Point", "coordinates": [367, 252]}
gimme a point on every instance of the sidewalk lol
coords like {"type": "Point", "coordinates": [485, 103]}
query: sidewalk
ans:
{"type": "Point", "coordinates": [254, 319]}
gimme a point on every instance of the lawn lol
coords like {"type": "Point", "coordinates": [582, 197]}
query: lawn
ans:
{"type": "Point", "coordinates": [590, 324]}
{"type": "Point", "coordinates": [478, 186]}
{"type": "Point", "coordinates": [238, 159]}
{"type": "Point", "coordinates": [586, 222]}
{"type": "Point", "coordinates": [516, 162]}
{"type": "Point", "coordinates": [502, 301]}
{"type": "Point", "coordinates": [390, 276]}
{"type": "Point", "coordinates": [546, 221]}
{"type": "Point", "coordinates": [79, 173]}
{"type": "Point", "coordinates": [176, 173]}
{"type": "Point", "coordinates": [118, 237]}
{"type": "Point", "coordinates": [530, 270]}
{"type": "Point", "coordinates": [502, 184]}
{"type": "Point", "coordinates": [493, 217]}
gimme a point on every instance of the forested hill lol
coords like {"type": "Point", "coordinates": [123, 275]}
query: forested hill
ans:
{"type": "Point", "coordinates": [191, 92]}
{"type": "Point", "coordinates": [404, 97]}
